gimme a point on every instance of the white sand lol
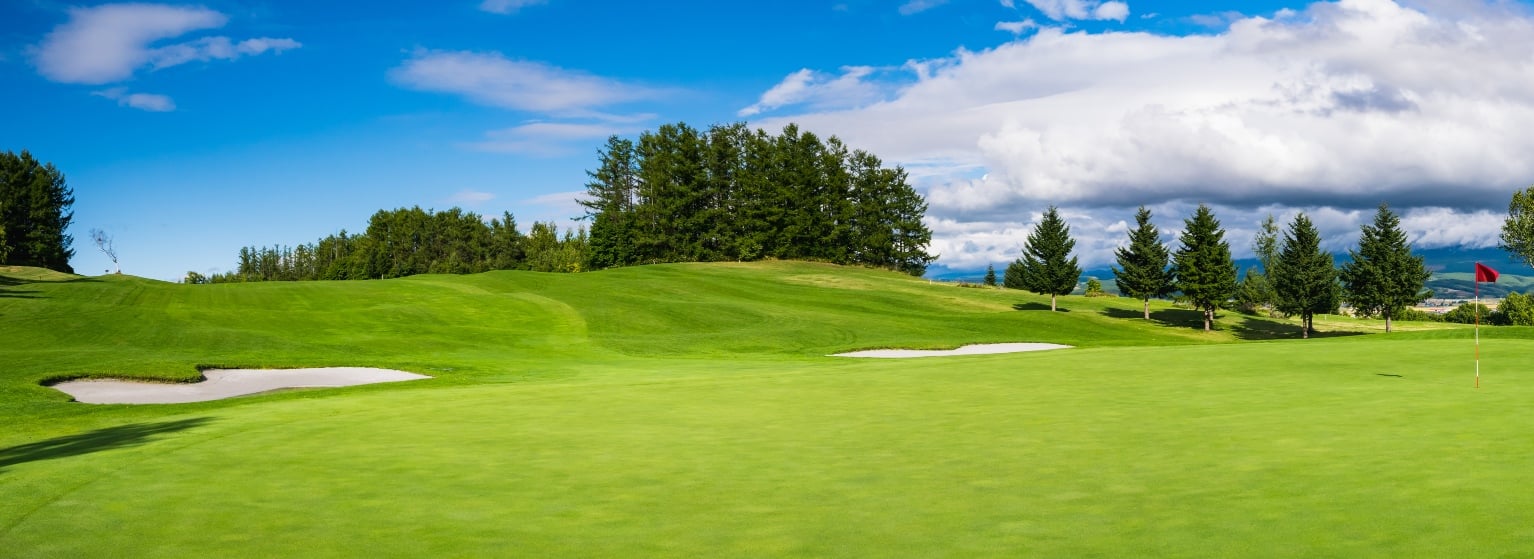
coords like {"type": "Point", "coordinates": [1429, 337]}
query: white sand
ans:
{"type": "Point", "coordinates": [976, 349]}
{"type": "Point", "coordinates": [226, 383]}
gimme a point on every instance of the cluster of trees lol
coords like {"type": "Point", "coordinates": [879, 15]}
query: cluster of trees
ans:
{"type": "Point", "coordinates": [730, 193]}
{"type": "Point", "coordinates": [34, 213]}
{"type": "Point", "coordinates": [1296, 277]}
{"type": "Point", "coordinates": [411, 241]}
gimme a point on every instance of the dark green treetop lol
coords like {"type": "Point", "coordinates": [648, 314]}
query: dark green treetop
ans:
{"type": "Point", "coordinates": [1205, 272]}
{"type": "Point", "coordinates": [1304, 277]}
{"type": "Point", "coordinates": [1047, 267]}
{"type": "Point", "coordinates": [1142, 270]}
{"type": "Point", "coordinates": [1383, 277]}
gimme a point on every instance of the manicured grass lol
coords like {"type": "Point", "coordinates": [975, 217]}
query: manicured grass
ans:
{"type": "Point", "coordinates": [689, 411]}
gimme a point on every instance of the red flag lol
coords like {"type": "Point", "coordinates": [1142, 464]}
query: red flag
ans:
{"type": "Point", "coordinates": [1485, 273]}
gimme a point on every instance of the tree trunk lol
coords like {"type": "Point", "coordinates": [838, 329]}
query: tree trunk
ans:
{"type": "Point", "coordinates": [1305, 326]}
{"type": "Point", "coordinates": [1052, 302]}
{"type": "Point", "coordinates": [1208, 317]}
{"type": "Point", "coordinates": [1387, 322]}
{"type": "Point", "coordinates": [1147, 309]}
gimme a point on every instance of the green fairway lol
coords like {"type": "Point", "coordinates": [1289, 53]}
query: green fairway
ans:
{"type": "Point", "coordinates": [690, 410]}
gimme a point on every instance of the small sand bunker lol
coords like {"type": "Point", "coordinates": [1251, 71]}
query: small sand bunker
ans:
{"type": "Point", "coordinates": [226, 383]}
{"type": "Point", "coordinates": [976, 349]}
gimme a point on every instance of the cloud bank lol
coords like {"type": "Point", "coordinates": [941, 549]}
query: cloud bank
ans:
{"type": "Point", "coordinates": [1331, 109]}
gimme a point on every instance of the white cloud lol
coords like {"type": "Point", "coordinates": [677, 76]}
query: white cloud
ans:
{"type": "Point", "coordinates": [109, 43]}
{"type": "Point", "coordinates": [818, 90]}
{"type": "Point", "coordinates": [142, 101]}
{"type": "Point", "coordinates": [492, 79]}
{"type": "Point", "coordinates": [1335, 108]}
{"type": "Point", "coordinates": [471, 198]}
{"type": "Point", "coordinates": [917, 6]}
{"type": "Point", "coordinates": [1016, 27]}
{"type": "Point", "coordinates": [508, 6]}
{"type": "Point", "coordinates": [547, 138]}
{"type": "Point", "coordinates": [1060, 10]}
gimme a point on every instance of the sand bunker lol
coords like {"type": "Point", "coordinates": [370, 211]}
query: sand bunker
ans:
{"type": "Point", "coordinates": [226, 383]}
{"type": "Point", "coordinates": [976, 349]}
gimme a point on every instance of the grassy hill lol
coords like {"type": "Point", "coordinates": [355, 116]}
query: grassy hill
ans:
{"type": "Point", "coordinates": [687, 410]}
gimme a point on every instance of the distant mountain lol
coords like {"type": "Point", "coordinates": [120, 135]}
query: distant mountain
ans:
{"type": "Point", "coordinates": [1453, 272]}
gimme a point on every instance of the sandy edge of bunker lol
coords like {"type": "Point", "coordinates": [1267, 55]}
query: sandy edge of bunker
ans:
{"type": "Point", "coordinates": [226, 383]}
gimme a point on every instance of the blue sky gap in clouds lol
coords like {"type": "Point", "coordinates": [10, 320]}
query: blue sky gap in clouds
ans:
{"type": "Point", "coordinates": [189, 130]}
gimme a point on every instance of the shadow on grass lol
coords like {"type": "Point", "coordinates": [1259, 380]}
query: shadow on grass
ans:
{"type": "Point", "coordinates": [1036, 307]}
{"type": "Point", "coordinates": [1258, 329]}
{"type": "Point", "coordinates": [1180, 318]}
{"type": "Point", "coordinates": [122, 436]}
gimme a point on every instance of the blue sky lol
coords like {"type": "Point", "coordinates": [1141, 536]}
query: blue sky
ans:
{"type": "Point", "coordinates": [188, 130]}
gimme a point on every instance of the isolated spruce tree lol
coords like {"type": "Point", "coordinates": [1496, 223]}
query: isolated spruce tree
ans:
{"type": "Point", "coordinates": [1142, 272]}
{"type": "Point", "coordinates": [1303, 277]}
{"type": "Point", "coordinates": [1047, 266]}
{"type": "Point", "coordinates": [990, 274]}
{"type": "Point", "coordinates": [1205, 273]}
{"type": "Point", "coordinates": [1384, 277]}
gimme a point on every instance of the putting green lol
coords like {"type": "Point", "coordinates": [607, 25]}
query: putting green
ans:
{"type": "Point", "coordinates": [687, 431]}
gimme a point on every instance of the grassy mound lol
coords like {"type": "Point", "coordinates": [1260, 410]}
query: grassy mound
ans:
{"type": "Point", "coordinates": [689, 410]}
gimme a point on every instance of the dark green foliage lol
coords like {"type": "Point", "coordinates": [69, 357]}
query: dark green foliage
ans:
{"type": "Point", "coordinates": [1419, 316]}
{"type": "Point", "coordinates": [34, 213]}
{"type": "Point", "coordinates": [732, 194]}
{"type": "Point", "coordinates": [1205, 272]}
{"type": "Point", "coordinates": [1095, 289]}
{"type": "Point", "coordinates": [1515, 310]}
{"type": "Point", "coordinates": [1143, 271]}
{"type": "Point", "coordinates": [1518, 230]}
{"type": "Point", "coordinates": [1253, 293]}
{"type": "Point", "coordinates": [990, 275]}
{"type": "Point", "coordinates": [1047, 267]}
{"type": "Point", "coordinates": [1383, 276]}
{"type": "Point", "coordinates": [406, 242]}
{"type": "Point", "coordinates": [1303, 277]}
{"type": "Point", "coordinates": [1469, 313]}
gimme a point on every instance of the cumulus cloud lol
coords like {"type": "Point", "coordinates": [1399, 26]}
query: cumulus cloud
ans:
{"type": "Point", "coordinates": [508, 6]}
{"type": "Point", "coordinates": [818, 90]}
{"type": "Point", "coordinates": [108, 43]}
{"type": "Point", "coordinates": [547, 138]}
{"type": "Point", "coordinates": [1060, 10]}
{"type": "Point", "coordinates": [1334, 108]}
{"type": "Point", "coordinates": [494, 80]}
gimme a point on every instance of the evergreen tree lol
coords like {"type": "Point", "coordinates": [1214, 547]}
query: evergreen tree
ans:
{"type": "Point", "coordinates": [36, 212]}
{"type": "Point", "coordinates": [990, 275]}
{"type": "Point", "coordinates": [609, 204]}
{"type": "Point", "coordinates": [1205, 272]}
{"type": "Point", "coordinates": [1257, 288]}
{"type": "Point", "coordinates": [1303, 277]}
{"type": "Point", "coordinates": [1384, 277]}
{"type": "Point", "coordinates": [1046, 267]}
{"type": "Point", "coordinates": [1095, 288]}
{"type": "Point", "coordinates": [1254, 292]}
{"type": "Point", "coordinates": [1142, 270]}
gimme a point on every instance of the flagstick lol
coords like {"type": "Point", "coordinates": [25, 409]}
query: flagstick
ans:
{"type": "Point", "coordinates": [1478, 329]}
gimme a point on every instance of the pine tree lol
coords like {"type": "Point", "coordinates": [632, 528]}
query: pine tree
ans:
{"type": "Point", "coordinates": [1384, 277]}
{"type": "Point", "coordinates": [1205, 273]}
{"type": "Point", "coordinates": [36, 212]}
{"type": "Point", "coordinates": [1265, 245]}
{"type": "Point", "coordinates": [990, 275]}
{"type": "Point", "coordinates": [609, 205]}
{"type": "Point", "coordinates": [1303, 277]}
{"type": "Point", "coordinates": [1046, 267]}
{"type": "Point", "coordinates": [1142, 272]}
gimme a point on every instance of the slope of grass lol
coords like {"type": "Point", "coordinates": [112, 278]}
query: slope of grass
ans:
{"type": "Point", "coordinates": [689, 410]}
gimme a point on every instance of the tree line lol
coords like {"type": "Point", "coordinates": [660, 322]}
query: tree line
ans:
{"type": "Point", "coordinates": [731, 194]}
{"type": "Point", "coordinates": [35, 213]}
{"type": "Point", "coordinates": [1296, 277]}
{"type": "Point", "coordinates": [405, 242]}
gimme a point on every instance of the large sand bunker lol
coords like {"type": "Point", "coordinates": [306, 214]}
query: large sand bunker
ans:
{"type": "Point", "coordinates": [226, 383]}
{"type": "Point", "coordinates": [976, 349]}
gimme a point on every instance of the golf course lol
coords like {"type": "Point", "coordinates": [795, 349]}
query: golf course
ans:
{"type": "Point", "coordinates": [695, 410]}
